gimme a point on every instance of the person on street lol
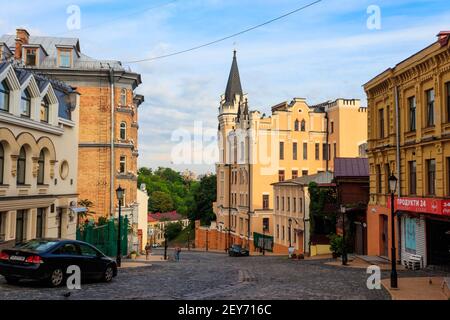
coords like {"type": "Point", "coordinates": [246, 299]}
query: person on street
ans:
{"type": "Point", "coordinates": [177, 253]}
{"type": "Point", "coordinates": [148, 250]}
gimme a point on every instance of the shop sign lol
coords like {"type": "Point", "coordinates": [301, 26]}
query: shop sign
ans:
{"type": "Point", "coordinates": [423, 205]}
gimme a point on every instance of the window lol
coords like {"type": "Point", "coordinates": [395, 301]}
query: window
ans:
{"type": "Point", "coordinates": [316, 151]}
{"type": "Point", "coordinates": [305, 151]}
{"type": "Point", "coordinates": [44, 110]}
{"type": "Point", "coordinates": [265, 201]}
{"type": "Point", "coordinates": [412, 113]}
{"type": "Point", "coordinates": [332, 126]}
{"type": "Point", "coordinates": [25, 104]}
{"type": "Point", "coordinates": [296, 125]}
{"type": "Point", "coordinates": [4, 96]}
{"type": "Point", "coordinates": [430, 107]}
{"type": "Point", "coordinates": [40, 223]}
{"type": "Point", "coordinates": [412, 177]}
{"type": "Point", "coordinates": [278, 231]}
{"type": "Point", "coordinates": [282, 234]}
{"type": "Point", "coordinates": [31, 57]}
{"type": "Point", "coordinates": [122, 164]}
{"type": "Point", "coordinates": [20, 226]}
{"type": "Point", "coordinates": [381, 122]}
{"type": "Point", "coordinates": [288, 204]}
{"type": "Point", "coordinates": [282, 203]}
{"type": "Point", "coordinates": [431, 176]}
{"type": "Point", "coordinates": [304, 172]}
{"type": "Point", "coordinates": [294, 205]}
{"type": "Point", "coordinates": [21, 166]}
{"type": "Point", "coordinates": [41, 166]}
{"type": "Point", "coordinates": [281, 175]}
{"type": "Point", "coordinates": [88, 251]}
{"type": "Point", "coordinates": [447, 89]}
{"type": "Point", "coordinates": [281, 150]}
{"type": "Point", "coordinates": [278, 203]}
{"type": "Point", "coordinates": [387, 174]}
{"type": "Point", "coordinates": [294, 151]}
{"type": "Point", "coordinates": [388, 117]}
{"type": "Point", "coordinates": [266, 224]}
{"type": "Point", "coordinates": [65, 59]}
{"type": "Point", "coordinates": [300, 205]}
{"type": "Point", "coordinates": [325, 151]}
{"type": "Point", "coordinates": [123, 97]}
{"type": "Point", "coordinates": [334, 150]}
{"type": "Point", "coordinates": [123, 130]}
{"type": "Point", "coordinates": [303, 126]}
{"type": "Point", "coordinates": [2, 162]}
{"type": "Point", "coordinates": [378, 174]}
{"type": "Point", "coordinates": [67, 249]}
{"type": "Point", "coordinates": [294, 174]}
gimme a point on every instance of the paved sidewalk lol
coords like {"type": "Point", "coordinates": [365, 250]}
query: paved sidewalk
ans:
{"type": "Point", "coordinates": [417, 288]}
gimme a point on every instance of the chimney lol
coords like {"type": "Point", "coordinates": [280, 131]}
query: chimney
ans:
{"type": "Point", "coordinates": [443, 38]}
{"type": "Point", "coordinates": [22, 37]}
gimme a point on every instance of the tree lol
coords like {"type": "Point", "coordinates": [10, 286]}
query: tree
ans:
{"type": "Point", "coordinates": [204, 196]}
{"type": "Point", "coordinates": [160, 202]}
{"type": "Point", "coordinates": [88, 204]}
{"type": "Point", "coordinates": [173, 230]}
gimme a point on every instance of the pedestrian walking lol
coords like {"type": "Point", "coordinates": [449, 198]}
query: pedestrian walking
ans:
{"type": "Point", "coordinates": [177, 253]}
{"type": "Point", "coordinates": [148, 250]}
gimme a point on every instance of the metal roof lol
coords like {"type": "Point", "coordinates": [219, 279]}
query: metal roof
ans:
{"type": "Point", "coordinates": [351, 167]}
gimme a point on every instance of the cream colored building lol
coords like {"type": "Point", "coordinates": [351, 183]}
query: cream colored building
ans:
{"type": "Point", "coordinates": [257, 150]}
{"type": "Point", "coordinates": [38, 156]}
{"type": "Point", "coordinates": [141, 223]}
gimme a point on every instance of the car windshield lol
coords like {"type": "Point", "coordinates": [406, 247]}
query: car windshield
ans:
{"type": "Point", "coordinates": [37, 245]}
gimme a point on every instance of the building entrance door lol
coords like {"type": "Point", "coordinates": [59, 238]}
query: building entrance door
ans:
{"type": "Point", "coordinates": [438, 242]}
{"type": "Point", "coordinates": [384, 236]}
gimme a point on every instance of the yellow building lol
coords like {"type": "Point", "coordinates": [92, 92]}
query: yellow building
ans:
{"type": "Point", "coordinates": [413, 143]}
{"type": "Point", "coordinates": [256, 151]}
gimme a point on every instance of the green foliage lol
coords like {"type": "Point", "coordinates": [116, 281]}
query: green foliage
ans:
{"type": "Point", "coordinates": [88, 204]}
{"type": "Point", "coordinates": [319, 198]}
{"type": "Point", "coordinates": [102, 221]}
{"type": "Point", "coordinates": [204, 196]}
{"type": "Point", "coordinates": [336, 244]}
{"type": "Point", "coordinates": [173, 230]}
{"type": "Point", "coordinates": [170, 190]}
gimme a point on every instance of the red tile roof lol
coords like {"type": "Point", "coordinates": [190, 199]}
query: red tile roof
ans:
{"type": "Point", "coordinates": [351, 167]}
{"type": "Point", "coordinates": [167, 216]}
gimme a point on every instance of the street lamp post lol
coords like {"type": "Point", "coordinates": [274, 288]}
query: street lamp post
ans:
{"type": "Point", "coordinates": [165, 243]}
{"type": "Point", "coordinates": [392, 188]}
{"type": "Point", "coordinates": [344, 247]}
{"type": "Point", "coordinates": [119, 193]}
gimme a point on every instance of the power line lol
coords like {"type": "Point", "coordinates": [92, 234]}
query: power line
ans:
{"type": "Point", "coordinates": [227, 37]}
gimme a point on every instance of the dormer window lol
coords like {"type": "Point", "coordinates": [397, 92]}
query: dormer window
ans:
{"type": "Point", "coordinates": [25, 103]}
{"type": "Point", "coordinates": [31, 57]}
{"type": "Point", "coordinates": [65, 58]}
{"type": "Point", "coordinates": [4, 96]}
{"type": "Point", "coordinates": [44, 110]}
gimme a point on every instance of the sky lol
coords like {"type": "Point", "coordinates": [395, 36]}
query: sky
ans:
{"type": "Point", "coordinates": [324, 52]}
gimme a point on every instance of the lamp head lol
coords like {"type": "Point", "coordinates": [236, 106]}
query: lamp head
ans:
{"type": "Point", "coordinates": [120, 192]}
{"type": "Point", "coordinates": [392, 183]}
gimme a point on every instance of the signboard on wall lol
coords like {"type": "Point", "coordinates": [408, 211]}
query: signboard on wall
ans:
{"type": "Point", "coordinates": [423, 205]}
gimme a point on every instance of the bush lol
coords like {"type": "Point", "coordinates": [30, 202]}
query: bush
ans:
{"type": "Point", "coordinates": [336, 244]}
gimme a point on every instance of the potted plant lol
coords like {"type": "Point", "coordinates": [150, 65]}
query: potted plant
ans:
{"type": "Point", "coordinates": [133, 255]}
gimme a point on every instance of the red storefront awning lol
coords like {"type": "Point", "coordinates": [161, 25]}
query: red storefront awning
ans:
{"type": "Point", "coordinates": [422, 205]}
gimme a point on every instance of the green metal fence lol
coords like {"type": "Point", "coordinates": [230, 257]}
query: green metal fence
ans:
{"type": "Point", "coordinates": [104, 237]}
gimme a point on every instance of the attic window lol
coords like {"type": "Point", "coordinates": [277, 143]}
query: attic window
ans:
{"type": "Point", "coordinates": [30, 57]}
{"type": "Point", "coordinates": [65, 58]}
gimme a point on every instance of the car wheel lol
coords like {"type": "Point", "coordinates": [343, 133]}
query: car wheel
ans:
{"type": "Point", "coordinates": [108, 274]}
{"type": "Point", "coordinates": [12, 280]}
{"type": "Point", "coordinates": [56, 278]}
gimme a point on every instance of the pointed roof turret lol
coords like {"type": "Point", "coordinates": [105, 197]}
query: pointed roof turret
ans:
{"type": "Point", "coordinates": [234, 82]}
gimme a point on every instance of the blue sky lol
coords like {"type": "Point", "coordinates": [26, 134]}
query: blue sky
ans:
{"type": "Point", "coordinates": [321, 53]}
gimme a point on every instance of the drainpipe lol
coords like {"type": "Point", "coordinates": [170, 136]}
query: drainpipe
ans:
{"type": "Point", "coordinates": [399, 189]}
{"type": "Point", "coordinates": [112, 167]}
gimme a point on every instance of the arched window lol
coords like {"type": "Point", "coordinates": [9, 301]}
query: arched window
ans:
{"type": "Point", "coordinates": [21, 166]}
{"type": "Point", "coordinates": [44, 110]}
{"type": "Point", "coordinates": [123, 97]}
{"type": "Point", "coordinates": [41, 167]}
{"type": "Point", "coordinates": [4, 96]}
{"type": "Point", "coordinates": [25, 103]}
{"type": "Point", "coordinates": [2, 162]}
{"type": "Point", "coordinates": [296, 125]}
{"type": "Point", "coordinates": [123, 130]}
{"type": "Point", "coordinates": [303, 125]}
{"type": "Point", "coordinates": [123, 164]}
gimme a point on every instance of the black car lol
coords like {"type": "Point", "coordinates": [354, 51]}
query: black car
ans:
{"type": "Point", "coordinates": [48, 259]}
{"type": "Point", "coordinates": [237, 251]}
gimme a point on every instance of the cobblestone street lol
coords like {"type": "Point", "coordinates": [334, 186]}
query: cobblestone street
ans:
{"type": "Point", "coordinates": [201, 275]}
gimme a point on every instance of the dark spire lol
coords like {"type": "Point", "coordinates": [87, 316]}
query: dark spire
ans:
{"type": "Point", "coordinates": [234, 82]}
